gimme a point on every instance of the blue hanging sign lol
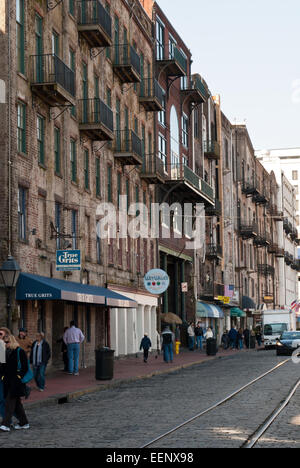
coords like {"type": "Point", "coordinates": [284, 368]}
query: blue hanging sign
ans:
{"type": "Point", "coordinates": [68, 260]}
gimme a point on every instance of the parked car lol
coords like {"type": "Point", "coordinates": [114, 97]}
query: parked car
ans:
{"type": "Point", "coordinates": [288, 343]}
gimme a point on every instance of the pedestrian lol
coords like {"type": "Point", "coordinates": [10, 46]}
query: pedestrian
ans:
{"type": "Point", "coordinates": [39, 358]}
{"type": "Point", "coordinates": [64, 351]}
{"type": "Point", "coordinates": [209, 334]}
{"type": "Point", "coordinates": [191, 336]}
{"type": "Point", "coordinates": [233, 337]}
{"type": "Point", "coordinates": [24, 341]}
{"type": "Point", "coordinates": [247, 337]}
{"type": "Point", "coordinates": [73, 337]}
{"type": "Point", "coordinates": [167, 344]}
{"type": "Point", "coordinates": [225, 340]}
{"type": "Point", "coordinates": [258, 336]}
{"type": "Point", "coordinates": [199, 336]}
{"type": "Point", "coordinates": [2, 363]}
{"type": "Point", "coordinates": [239, 339]}
{"type": "Point", "coordinates": [12, 373]}
{"type": "Point", "coordinates": [146, 345]}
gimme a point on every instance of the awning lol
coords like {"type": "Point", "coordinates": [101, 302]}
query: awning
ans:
{"type": "Point", "coordinates": [205, 310]}
{"type": "Point", "coordinates": [39, 288]}
{"type": "Point", "coordinates": [248, 303]}
{"type": "Point", "coordinates": [236, 312]}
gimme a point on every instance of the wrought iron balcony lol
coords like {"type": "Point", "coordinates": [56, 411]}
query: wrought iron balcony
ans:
{"type": "Point", "coordinates": [275, 250]}
{"type": "Point", "coordinates": [189, 184]}
{"type": "Point", "coordinates": [275, 213]}
{"type": "Point", "coordinates": [151, 95]}
{"type": "Point", "coordinates": [153, 169]}
{"type": "Point", "coordinates": [214, 251]}
{"type": "Point", "coordinates": [215, 210]}
{"type": "Point", "coordinates": [96, 119]}
{"type": "Point", "coordinates": [211, 290]}
{"type": "Point", "coordinates": [250, 187]}
{"type": "Point", "coordinates": [248, 231]}
{"type": "Point", "coordinates": [174, 64]}
{"type": "Point", "coordinates": [52, 80]}
{"type": "Point", "coordinates": [287, 226]}
{"type": "Point", "coordinates": [127, 148]}
{"type": "Point", "coordinates": [127, 64]}
{"type": "Point", "coordinates": [265, 269]}
{"type": "Point", "coordinates": [212, 150]}
{"type": "Point", "coordinates": [294, 233]}
{"type": "Point", "coordinates": [94, 23]}
{"type": "Point", "coordinates": [288, 258]}
{"type": "Point", "coordinates": [262, 240]}
{"type": "Point", "coordinates": [195, 90]}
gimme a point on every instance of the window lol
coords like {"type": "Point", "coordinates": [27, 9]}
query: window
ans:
{"type": "Point", "coordinates": [196, 124]}
{"type": "Point", "coordinates": [40, 127]}
{"type": "Point", "coordinates": [98, 243]}
{"type": "Point", "coordinates": [162, 114]}
{"type": "Point", "coordinates": [72, 7]}
{"type": "Point", "coordinates": [57, 150]}
{"type": "Point", "coordinates": [72, 65]}
{"type": "Point", "coordinates": [162, 150]}
{"type": "Point", "coordinates": [41, 322]}
{"type": "Point", "coordinates": [172, 46]}
{"type": "Point", "coordinates": [22, 199]}
{"type": "Point", "coordinates": [55, 43]}
{"type": "Point", "coordinates": [87, 226]}
{"type": "Point", "coordinates": [98, 186]}
{"type": "Point", "coordinates": [20, 39]}
{"type": "Point", "coordinates": [119, 188]}
{"type": "Point", "coordinates": [160, 40]}
{"type": "Point", "coordinates": [73, 159]}
{"type": "Point", "coordinates": [21, 128]}
{"type": "Point", "coordinates": [295, 175]}
{"type": "Point", "coordinates": [185, 131]}
{"type": "Point", "coordinates": [74, 228]}
{"type": "Point", "coordinates": [226, 154]}
{"type": "Point", "coordinates": [86, 169]}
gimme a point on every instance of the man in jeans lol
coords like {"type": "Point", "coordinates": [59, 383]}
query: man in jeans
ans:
{"type": "Point", "coordinates": [73, 338]}
{"type": "Point", "coordinates": [199, 336]}
{"type": "Point", "coordinates": [167, 344]}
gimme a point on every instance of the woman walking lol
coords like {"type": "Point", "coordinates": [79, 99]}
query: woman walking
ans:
{"type": "Point", "coordinates": [12, 373]}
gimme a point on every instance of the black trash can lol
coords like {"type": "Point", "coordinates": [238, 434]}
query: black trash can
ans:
{"type": "Point", "coordinates": [211, 347]}
{"type": "Point", "coordinates": [252, 342]}
{"type": "Point", "coordinates": [104, 364]}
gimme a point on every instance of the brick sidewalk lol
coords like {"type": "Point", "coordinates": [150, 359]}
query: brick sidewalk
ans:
{"type": "Point", "coordinates": [61, 387]}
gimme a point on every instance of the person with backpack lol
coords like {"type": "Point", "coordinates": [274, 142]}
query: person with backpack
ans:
{"type": "Point", "coordinates": [167, 344]}
{"type": "Point", "coordinates": [146, 345]}
{"type": "Point", "coordinates": [39, 358]}
{"type": "Point", "coordinates": [199, 336]}
{"type": "Point", "coordinates": [12, 373]}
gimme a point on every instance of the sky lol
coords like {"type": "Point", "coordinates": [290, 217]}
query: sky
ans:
{"type": "Point", "coordinates": [248, 51]}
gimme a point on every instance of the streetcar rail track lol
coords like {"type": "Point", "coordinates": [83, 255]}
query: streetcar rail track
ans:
{"type": "Point", "coordinates": [216, 405]}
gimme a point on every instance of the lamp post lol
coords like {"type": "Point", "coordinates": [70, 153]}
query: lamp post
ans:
{"type": "Point", "coordinates": [10, 272]}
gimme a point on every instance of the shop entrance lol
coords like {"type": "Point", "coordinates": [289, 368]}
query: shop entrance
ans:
{"type": "Point", "coordinates": [57, 333]}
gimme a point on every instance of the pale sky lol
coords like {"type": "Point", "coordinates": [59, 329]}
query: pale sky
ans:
{"type": "Point", "coordinates": [248, 51]}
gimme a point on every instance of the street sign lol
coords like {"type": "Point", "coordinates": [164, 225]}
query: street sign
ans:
{"type": "Point", "coordinates": [156, 281]}
{"type": "Point", "coordinates": [68, 260]}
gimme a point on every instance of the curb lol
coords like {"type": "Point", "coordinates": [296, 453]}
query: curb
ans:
{"type": "Point", "coordinates": [74, 395]}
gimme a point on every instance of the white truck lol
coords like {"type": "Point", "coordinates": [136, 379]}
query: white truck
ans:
{"type": "Point", "coordinates": [274, 323]}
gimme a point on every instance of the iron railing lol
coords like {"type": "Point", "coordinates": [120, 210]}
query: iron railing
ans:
{"type": "Point", "coordinates": [50, 69]}
{"type": "Point", "coordinates": [95, 111]}
{"type": "Point", "coordinates": [150, 88]}
{"type": "Point", "coordinates": [212, 147]}
{"type": "Point", "coordinates": [152, 165]}
{"type": "Point", "coordinates": [126, 141]}
{"type": "Point", "coordinates": [126, 55]}
{"type": "Point", "coordinates": [92, 12]}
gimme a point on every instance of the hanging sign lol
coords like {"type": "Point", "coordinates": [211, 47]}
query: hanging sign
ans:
{"type": "Point", "coordinates": [68, 260]}
{"type": "Point", "coordinates": [156, 281]}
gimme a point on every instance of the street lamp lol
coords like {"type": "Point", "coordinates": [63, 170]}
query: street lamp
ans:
{"type": "Point", "coordinates": [10, 272]}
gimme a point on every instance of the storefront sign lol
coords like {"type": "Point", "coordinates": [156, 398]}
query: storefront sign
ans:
{"type": "Point", "coordinates": [156, 281]}
{"type": "Point", "coordinates": [68, 260]}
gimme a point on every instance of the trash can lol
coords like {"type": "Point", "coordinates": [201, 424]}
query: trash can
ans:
{"type": "Point", "coordinates": [104, 364]}
{"type": "Point", "coordinates": [211, 347]}
{"type": "Point", "coordinates": [252, 342]}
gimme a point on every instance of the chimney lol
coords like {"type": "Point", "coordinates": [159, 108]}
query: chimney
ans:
{"type": "Point", "coordinates": [148, 7]}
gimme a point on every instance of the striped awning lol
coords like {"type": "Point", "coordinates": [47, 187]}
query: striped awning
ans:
{"type": "Point", "coordinates": [236, 312]}
{"type": "Point", "coordinates": [205, 310]}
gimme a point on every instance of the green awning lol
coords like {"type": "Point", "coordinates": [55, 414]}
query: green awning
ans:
{"type": "Point", "coordinates": [236, 312]}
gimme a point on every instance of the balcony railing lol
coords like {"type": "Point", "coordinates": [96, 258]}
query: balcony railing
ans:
{"type": "Point", "coordinates": [276, 250]}
{"type": "Point", "coordinates": [174, 64]}
{"type": "Point", "coordinates": [94, 23]}
{"type": "Point", "coordinates": [127, 64]}
{"type": "Point", "coordinates": [262, 240]}
{"type": "Point", "coordinates": [151, 95]}
{"type": "Point", "coordinates": [215, 210]}
{"type": "Point", "coordinates": [181, 172]}
{"type": "Point", "coordinates": [214, 251]}
{"type": "Point", "coordinates": [275, 213]}
{"type": "Point", "coordinates": [250, 187]}
{"type": "Point", "coordinates": [212, 149]}
{"type": "Point", "coordinates": [265, 269]}
{"type": "Point", "coordinates": [96, 119]}
{"type": "Point", "coordinates": [52, 79]}
{"type": "Point", "coordinates": [212, 290]}
{"type": "Point", "coordinates": [247, 231]}
{"type": "Point", "coordinates": [153, 169]}
{"type": "Point", "coordinates": [288, 258]}
{"type": "Point", "coordinates": [196, 90]}
{"type": "Point", "coordinates": [127, 147]}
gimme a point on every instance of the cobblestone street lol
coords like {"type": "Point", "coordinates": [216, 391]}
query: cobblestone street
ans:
{"type": "Point", "coordinates": [136, 413]}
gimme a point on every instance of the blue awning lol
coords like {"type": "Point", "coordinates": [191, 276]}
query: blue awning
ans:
{"type": "Point", "coordinates": [205, 310]}
{"type": "Point", "coordinates": [39, 288]}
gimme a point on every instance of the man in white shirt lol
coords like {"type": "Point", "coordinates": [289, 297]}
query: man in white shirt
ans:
{"type": "Point", "coordinates": [73, 338]}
